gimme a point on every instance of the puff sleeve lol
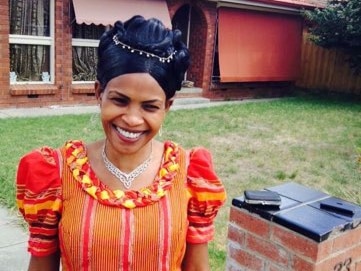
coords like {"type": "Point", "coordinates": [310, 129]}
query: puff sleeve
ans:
{"type": "Point", "coordinates": [207, 195]}
{"type": "Point", "coordinates": [38, 197]}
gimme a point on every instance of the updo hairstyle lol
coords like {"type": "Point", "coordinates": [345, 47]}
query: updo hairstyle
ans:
{"type": "Point", "coordinates": [143, 36]}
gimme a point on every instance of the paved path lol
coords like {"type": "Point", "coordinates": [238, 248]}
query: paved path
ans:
{"type": "Point", "coordinates": [13, 243]}
{"type": "Point", "coordinates": [181, 103]}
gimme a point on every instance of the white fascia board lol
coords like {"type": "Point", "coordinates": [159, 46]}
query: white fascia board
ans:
{"type": "Point", "coordinates": [253, 5]}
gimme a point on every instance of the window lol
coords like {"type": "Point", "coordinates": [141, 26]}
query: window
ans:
{"type": "Point", "coordinates": [31, 40]}
{"type": "Point", "coordinates": [84, 50]}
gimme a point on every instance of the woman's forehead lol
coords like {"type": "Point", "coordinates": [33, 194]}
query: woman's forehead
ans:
{"type": "Point", "coordinates": [136, 84]}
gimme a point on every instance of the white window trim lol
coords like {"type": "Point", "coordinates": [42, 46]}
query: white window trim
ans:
{"type": "Point", "coordinates": [32, 40]}
{"type": "Point", "coordinates": [37, 40]}
{"type": "Point", "coordinates": [84, 43]}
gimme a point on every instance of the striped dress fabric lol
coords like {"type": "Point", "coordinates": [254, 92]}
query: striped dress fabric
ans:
{"type": "Point", "coordinates": [96, 236]}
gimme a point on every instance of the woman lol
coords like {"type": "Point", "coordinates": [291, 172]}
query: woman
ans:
{"type": "Point", "coordinates": [128, 201]}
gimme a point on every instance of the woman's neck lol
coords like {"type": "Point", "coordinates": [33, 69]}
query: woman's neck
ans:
{"type": "Point", "coordinates": [126, 162]}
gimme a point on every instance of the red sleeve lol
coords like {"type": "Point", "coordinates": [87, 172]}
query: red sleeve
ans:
{"type": "Point", "coordinates": [38, 197]}
{"type": "Point", "coordinates": [207, 196]}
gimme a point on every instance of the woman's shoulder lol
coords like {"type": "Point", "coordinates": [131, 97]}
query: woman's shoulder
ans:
{"type": "Point", "coordinates": [38, 175]}
{"type": "Point", "coordinates": [44, 156]}
{"type": "Point", "coordinates": [199, 159]}
{"type": "Point", "coordinates": [202, 177]}
{"type": "Point", "coordinates": [200, 163]}
{"type": "Point", "coordinates": [74, 144]}
{"type": "Point", "coordinates": [40, 168]}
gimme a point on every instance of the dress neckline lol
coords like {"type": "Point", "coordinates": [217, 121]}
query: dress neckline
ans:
{"type": "Point", "coordinates": [77, 160]}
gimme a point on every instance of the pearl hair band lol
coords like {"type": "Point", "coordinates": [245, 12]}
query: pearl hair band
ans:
{"type": "Point", "coordinates": [141, 52]}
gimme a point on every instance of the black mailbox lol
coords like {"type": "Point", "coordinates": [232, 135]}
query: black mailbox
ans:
{"type": "Point", "coordinates": [309, 212]}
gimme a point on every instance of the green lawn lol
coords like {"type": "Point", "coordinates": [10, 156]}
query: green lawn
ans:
{"type": "Point", "coordinates": [312, 141]}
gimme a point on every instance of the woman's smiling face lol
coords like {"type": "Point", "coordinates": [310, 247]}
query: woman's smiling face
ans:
{"type": "Point", "coordinates": [133, 108]}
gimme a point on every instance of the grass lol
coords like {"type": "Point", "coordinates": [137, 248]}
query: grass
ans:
{"type": "Point", "coordinates": [312, 141]}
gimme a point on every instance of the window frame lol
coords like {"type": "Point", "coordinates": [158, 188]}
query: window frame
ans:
{"type": "Point", "coordinates": [76, 42]}
{"type": "Point", "coordinates": [39, 40]}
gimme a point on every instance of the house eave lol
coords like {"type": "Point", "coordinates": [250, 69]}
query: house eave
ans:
{"type": "Point", "coordinates": [289, 6]}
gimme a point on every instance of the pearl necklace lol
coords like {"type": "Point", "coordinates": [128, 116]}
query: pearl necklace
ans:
{"type": "Point", "coordinates": [124, 178]}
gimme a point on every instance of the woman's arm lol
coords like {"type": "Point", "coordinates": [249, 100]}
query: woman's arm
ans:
{"type": "Point", "coordinates": [196, 258]}
{"type": "Point", "coordinates": [46, 263]}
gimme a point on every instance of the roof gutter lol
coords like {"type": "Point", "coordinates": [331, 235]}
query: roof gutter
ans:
{"type": "Point", "coordinates": [253, 5]}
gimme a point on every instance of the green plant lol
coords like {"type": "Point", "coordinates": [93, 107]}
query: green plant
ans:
{"type": "Point", "coordinates": [217, 257]}
{"type": "Point", "coordinates": [338, 25]}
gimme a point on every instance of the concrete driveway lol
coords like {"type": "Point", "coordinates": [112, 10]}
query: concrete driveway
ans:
{"type": "Point", "coordinates": [13, 243]}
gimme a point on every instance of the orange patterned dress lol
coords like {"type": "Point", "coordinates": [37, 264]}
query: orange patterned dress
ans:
{"type": "Point", "coordinates": [69, 209]}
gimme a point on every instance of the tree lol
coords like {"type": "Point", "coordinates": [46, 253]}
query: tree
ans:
{"type": "Point", "coordinates": [338, 26]}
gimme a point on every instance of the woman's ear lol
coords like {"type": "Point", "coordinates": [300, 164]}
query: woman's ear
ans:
{"type": "Point", "coordinates": [98, 91]}
{"type": "Point", "coordinates": [168, 104]}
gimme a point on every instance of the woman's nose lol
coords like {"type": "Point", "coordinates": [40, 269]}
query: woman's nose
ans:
{"type": "Point", "coordinates": [133, 116]}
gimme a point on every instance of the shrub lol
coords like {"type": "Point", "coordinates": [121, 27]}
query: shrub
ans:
{"type": "Point", "coordinates": [338, 26]}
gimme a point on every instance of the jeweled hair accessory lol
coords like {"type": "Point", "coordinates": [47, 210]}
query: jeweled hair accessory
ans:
{"type": "Point", "coordinates": [141, 52]}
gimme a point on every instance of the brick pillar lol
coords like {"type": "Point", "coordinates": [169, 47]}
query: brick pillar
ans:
{"type": "Point", "coordinates": [201, 41]}
{"type": "Point", "coordinates": [270, 241]}
{"type": "Point", "coordinates": [4, 52]}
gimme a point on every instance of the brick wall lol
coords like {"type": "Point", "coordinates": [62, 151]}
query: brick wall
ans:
{"type": "Point", "coordinates": [202, 39]}
{"type": "Point", "coordinates": [210, 13]}
{"type": "Point", "coordinates": [4, 52]}
{"type": "Point", "coordinates": [62, 91]}
{"type": "Point", "coordinates": [255, 243]}
{"type": "Point", "coordinates": [197, 44]}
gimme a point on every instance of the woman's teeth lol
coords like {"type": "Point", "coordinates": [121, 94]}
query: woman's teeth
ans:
{"type": "Point", "coordinates": [128, 134]}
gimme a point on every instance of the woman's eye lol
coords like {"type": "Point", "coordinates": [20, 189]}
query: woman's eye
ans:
{"type": "Point", "coordinates": [150, 107]}
{"type": "Point", "coordinates": [120, 101]}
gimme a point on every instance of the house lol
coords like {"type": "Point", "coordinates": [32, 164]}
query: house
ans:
{"type": "Point", "coordinates": [48, 47]}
